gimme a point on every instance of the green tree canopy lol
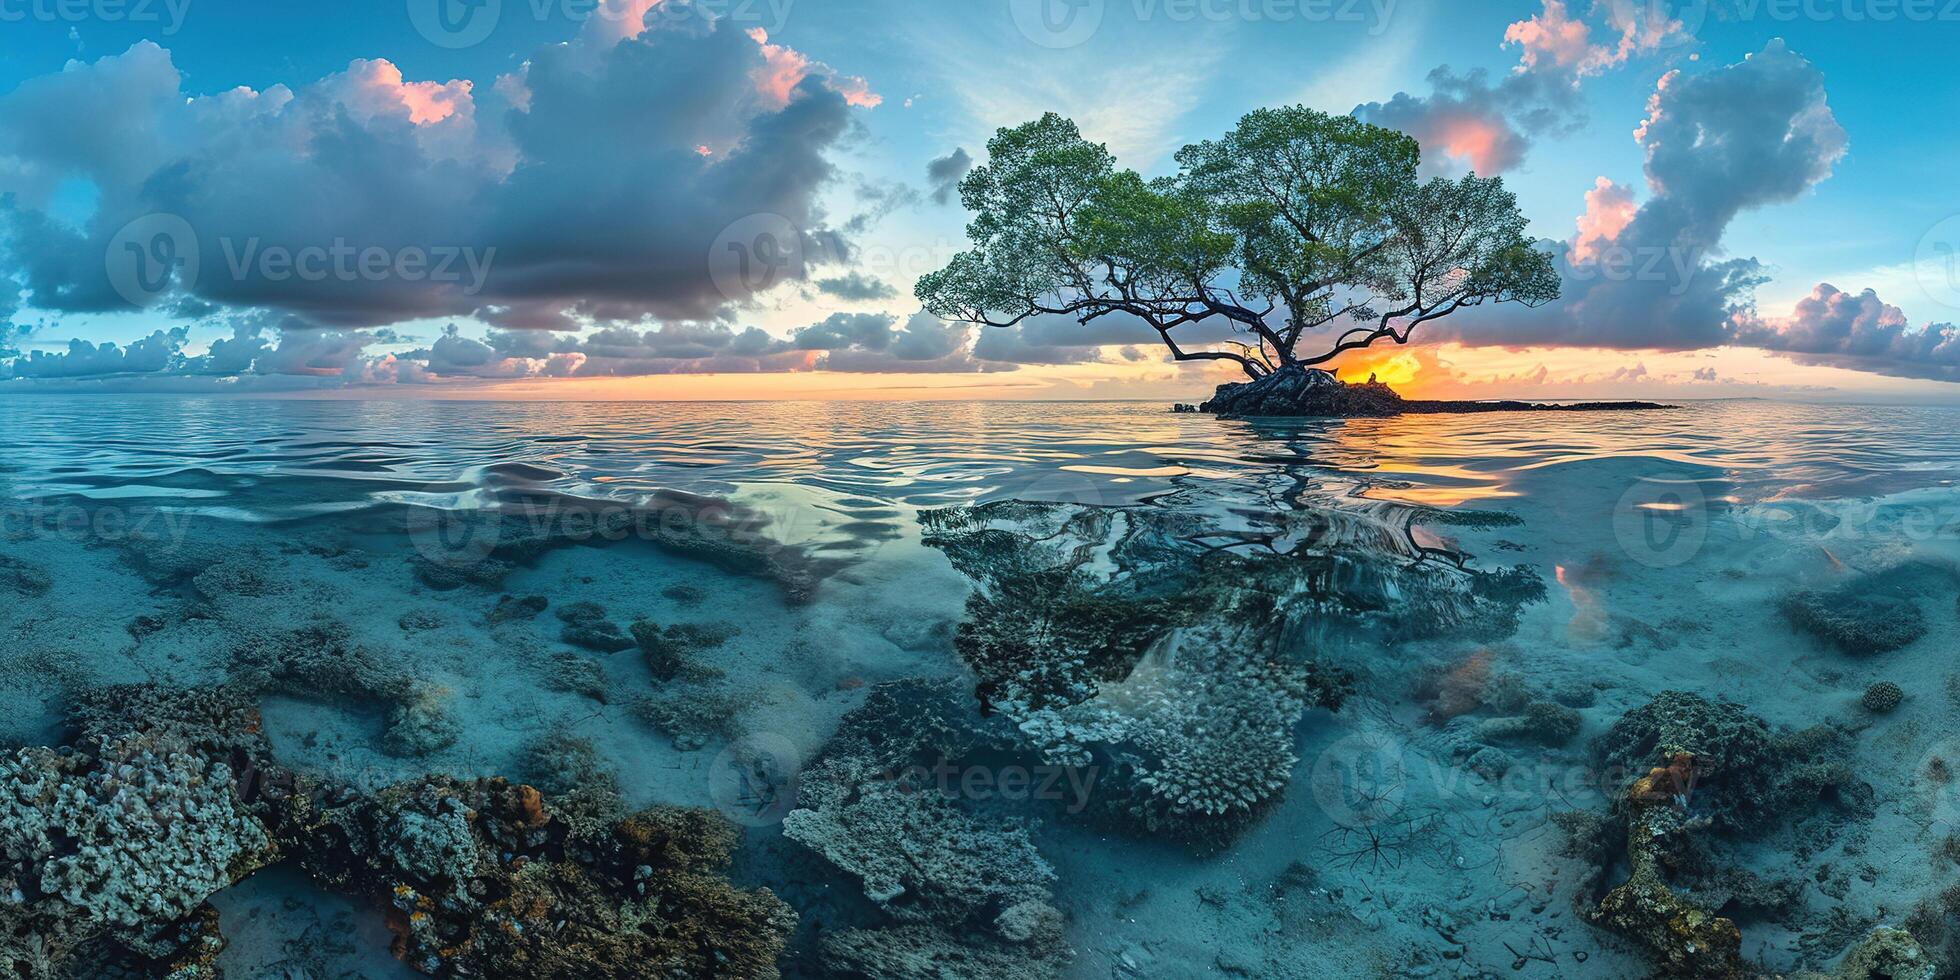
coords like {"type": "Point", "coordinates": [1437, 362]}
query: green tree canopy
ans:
{"type": "Point", "coordinates": [1294, 223]}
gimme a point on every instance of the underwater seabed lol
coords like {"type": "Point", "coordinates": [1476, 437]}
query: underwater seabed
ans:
{"type": "Point", "coordinates": [1621, 715]}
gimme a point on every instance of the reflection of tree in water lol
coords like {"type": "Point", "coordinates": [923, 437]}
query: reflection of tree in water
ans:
{"type": "Point", "coordinates": [1177, 644]}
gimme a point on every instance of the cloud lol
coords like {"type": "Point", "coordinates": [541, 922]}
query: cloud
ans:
{"type": "Point", "coordinates": [1609, 209]}
{"type": "Point", "coordinates": [1858, 331]}
{"type": "Point", "coordinates": [594, 186]}
{"type": "Point", "coordinates": [944, 174]}
{"type": "Point", "coordinates": [151, 355]}
{"type": "Point", "coordinates": [1744, 136]}
{"type": "Point", "coordinates": [1554, 40]}
{"type": "Point", "coordinates": [1470, 123]}
{"type": "Point", "coordinates": [1467, 123]}
{"type": "Point", "coordinates": [870, 331]}
{"type": "Point", "coordinates": [855, 286]}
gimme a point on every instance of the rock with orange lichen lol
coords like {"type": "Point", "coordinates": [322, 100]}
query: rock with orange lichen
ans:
{"type": "Point", "coordinates": [1685, 939]}
{"type": "Point", "coordinates": [489, 878]}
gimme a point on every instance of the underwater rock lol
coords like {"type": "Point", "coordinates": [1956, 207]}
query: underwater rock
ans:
{"type": "Point", "coordinates": [489, 878]}
{"type": "Point", "coordinates": [1746, 778]}
{"type": "Point", "coordinates": [669, 649]}
{"type": "Point", "coordinates": [1885, 954]}
{"type": "Point", "coordinates": [692, 717]}
{"type": "Point", "coordinates": [20, 577]}
{"type": "Point", "coordinates": [575, 674]}
{"type": "Point", "coordinates": [447, 576]}
{"type": "Point", "coordinates": [1685, 939]}
{"type": "Point", "coordinates": [420, 724]}
{"type": "Point", "coordinates": [1544, 723]}
{"type": "Point", "coordinates": [419, 621]}
{"type": "Point", "coordinates": [510, 608]}
{"type": "Point", "coordinates": [238, 576]}
{"type": "Point", "coordinates": [1882, 697]}
{"type": "Point", "coordinates": [586, 626]}
{"type": "Point", "coordinates": [913, 952]}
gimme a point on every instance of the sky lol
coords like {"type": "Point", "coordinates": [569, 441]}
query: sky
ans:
{"type": "Point", "coordinates": [733, 198]}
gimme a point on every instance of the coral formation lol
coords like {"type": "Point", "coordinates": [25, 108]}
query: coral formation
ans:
{"type": "Point", "coordinates": [1882, 697]}
{"type": "Point", "coordinates": [120, 838]}
{"type": "Point", "coordinates": [1745, 776]}
{"type": "Point", "coordinates": [1874, 613]}
{"type": "Point", "coordinates": [489, 878]}
{"type": "Point", "coordinates": [1685, 939]}
{"type": "Point", "coordinates": [1182, 679]}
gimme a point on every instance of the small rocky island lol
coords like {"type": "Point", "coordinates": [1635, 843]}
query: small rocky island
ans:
{"type": "Point", "coordinates": [1310, 392]}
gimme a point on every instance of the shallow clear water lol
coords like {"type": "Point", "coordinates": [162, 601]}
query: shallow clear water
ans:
{"type": "Point", "coordinates": [1671, 547]}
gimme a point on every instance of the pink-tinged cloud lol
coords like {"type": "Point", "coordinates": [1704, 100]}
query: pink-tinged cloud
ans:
{"type": "Point", "coordinates": [1609, 209]}
{"type": "Point", "coordinates": [1857, 330]}
{"type": "Point", "coordinates": [1484, 143]}
{"type": "Point", "coordinates": [784, 68]}
{"type": "Point", "coordinates": [613, 21]}
{"type": "Point", "coordinates": [376, 87]}
{"type": "Point", "coordinates": [1555, 39]}
{"type": "Point", "coordinates": [1552, 37]}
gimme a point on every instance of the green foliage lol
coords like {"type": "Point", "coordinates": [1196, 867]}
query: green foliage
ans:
{"type": "Point", "coordinates": [1295, 221]}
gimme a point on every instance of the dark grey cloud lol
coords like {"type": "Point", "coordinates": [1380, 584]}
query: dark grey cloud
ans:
{"type": "Point", "coordinates": [621, 180]}
{"type": "Point", "coordinates": [855, 286]}
{"type": "Point", "coordinates": [944, 174]}
{"type": "Point", "coordinates": [870, 331]}
{"type": "Point", "coordinates": [157, 353]}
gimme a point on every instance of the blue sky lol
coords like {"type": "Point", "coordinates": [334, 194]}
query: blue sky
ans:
{"type": "Point", "coordinates": [917, 82]}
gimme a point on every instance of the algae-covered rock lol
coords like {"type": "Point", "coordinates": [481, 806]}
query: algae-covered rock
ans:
{"type": "Point", "coordinates": [1684, 938]}
{"type": "Point", "coordinates": [1746, 776]}
{"type": "Point", "coordinates": [586, 626]}
{"type": "Point", "coordinates": [490, 878]}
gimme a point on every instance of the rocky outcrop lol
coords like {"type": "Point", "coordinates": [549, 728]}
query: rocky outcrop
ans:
{"type": "Point", "coordinates": [112, 846]}
{"type": "Point", "coordinates": [1297, 391]}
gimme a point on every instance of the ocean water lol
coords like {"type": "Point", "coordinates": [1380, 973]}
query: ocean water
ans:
{"type": "Point", "coordinates": [1293, 699]}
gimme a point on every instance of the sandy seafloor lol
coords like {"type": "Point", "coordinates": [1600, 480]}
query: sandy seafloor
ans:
{"type": "Point", "coordinates": [1667, 544]}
